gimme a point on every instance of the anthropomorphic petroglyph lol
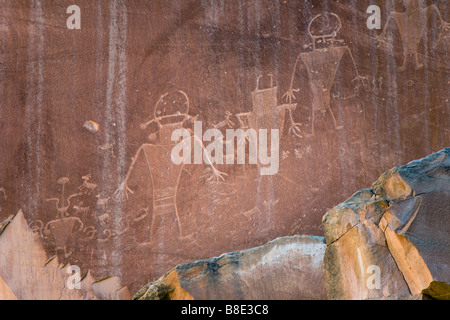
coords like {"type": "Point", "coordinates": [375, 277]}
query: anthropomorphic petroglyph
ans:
{"type": "Point", "coordinates": [266, 113]}
{"type": "Point", "coordinates": [322, 64]}
{"type": "Point", "coordinates": [61, 205]}
{"type": "Point", "coordinates": [62, 227]}
{"type": "Point", "coordinates": [61, 231]}
{"type": "Point", "coordinates": [411, 25]}
{"type": "Point", "coordinates": [170, 113]}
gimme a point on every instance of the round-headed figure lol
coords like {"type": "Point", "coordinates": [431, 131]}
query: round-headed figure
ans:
{"type": "Point", "coordinates": [170, 113]}
{"type": "Point", "coordinates": [324, 28]}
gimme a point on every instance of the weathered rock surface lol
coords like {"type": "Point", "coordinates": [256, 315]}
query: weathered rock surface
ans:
{"type": "Point", "coordinates": [5, 291]}
{"type": "Point", "coordinates": [286, 268]}
{"type": "Point", "coordinates": [400, 227]}
{"type": "Point", "coordinates": [26, 273]}
{"type": "Point", "coordinates": [438, 291]}
{"type": "Point", "coordinates": [73, 102]}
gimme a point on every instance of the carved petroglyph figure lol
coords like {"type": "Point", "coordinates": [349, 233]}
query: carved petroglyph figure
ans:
{"type": "Point", "coordinates": [227, 122]}
{"type": "Point", "coordinates": [81, 210]}
{"type": "Point", "coordinates": [87, 187]}
{"type": "Point", "coordinates": [170, 113]}
{"type": "Point", "coordinates": [411, 25]}
{"type": "Point", "coordinates": [322, 64]}
{"type": "Point", "coordinates": [102, 202]}
{"type": "Point", "coordinates": [266, 113]}
{"type": "Point", "coordinates": [59, 231]}
{"type": "Point", "coordinates": [62, 227]}
{"type": "Point", "coordinates": [61, 202]}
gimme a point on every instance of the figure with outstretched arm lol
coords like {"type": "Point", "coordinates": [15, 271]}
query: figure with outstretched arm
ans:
{"type": "Point", "coordinates": [321, 65]}
{"type": "Point", "coordinates": [289, 97]}
{"type": "Point", "coordinates": [163, 173]}
{"type": "Point", "coordinates": [123, 190]}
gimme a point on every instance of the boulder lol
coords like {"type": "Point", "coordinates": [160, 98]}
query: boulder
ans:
{"type": "Point", "coordinates": [26, 273]}
{"type": "Point", "coordinates": [391, 241]}
{"type": "Point", "coordinates": [285, 268]}
{"type": "Point", "coordinates": [5, 291]}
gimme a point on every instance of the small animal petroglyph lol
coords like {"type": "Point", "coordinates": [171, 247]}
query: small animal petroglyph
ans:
{"type": "Point", "coordinates": [80, 210]}
{"type": "Point", "coordinates": [225, 123]}
{"type": "Point", "coordinates": [102, 202]}
{"type": "Point", "coordinates": [87, 187]}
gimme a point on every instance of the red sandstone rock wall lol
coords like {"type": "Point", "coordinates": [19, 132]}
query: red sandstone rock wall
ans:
{"type": "Point", "coordinates": [361, 108]}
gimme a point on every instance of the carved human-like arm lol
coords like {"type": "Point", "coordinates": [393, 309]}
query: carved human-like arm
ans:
{"type": "Point", "coordinates": [216, 174]}
{"type": "Point", "coordinates": [294, 128]}
{"type": "Point", "coordinates": [247, 116]}
{"type": "Point", "coordinates": [122, 191]}
{"type": "Point", "coordinates": [290, 94]}
{"type": "Point", "coordinates": [361, 81]}
{"type": "Point", "coordinates": [433, 8]}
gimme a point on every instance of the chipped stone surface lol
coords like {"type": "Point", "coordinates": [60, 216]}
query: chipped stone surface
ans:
{"type": "Point", "coordinates": [400, 225]}
{"type": "Point", "coordinates": [26, 273]}
{"type": "Point", "coordinates": [285, 268]}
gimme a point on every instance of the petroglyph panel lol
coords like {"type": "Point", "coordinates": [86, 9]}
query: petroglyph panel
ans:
{"type": "Point", "coordinates": [87, 118]}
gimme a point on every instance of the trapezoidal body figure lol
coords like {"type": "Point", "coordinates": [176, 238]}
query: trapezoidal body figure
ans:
{"type": "Point", "coordinates": [411, 25]}
{"type": "Point", "coordinates": [61, 228]}
{"type": "Point", "coordinates": [322, 64]}
{"type": "Point", "coordinates": [170, 113]}
{"type": "Point", "coordinates": [266, 113]}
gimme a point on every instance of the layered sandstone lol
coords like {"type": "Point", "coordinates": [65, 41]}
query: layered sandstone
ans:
{"type": "Point", "coordinates": [400, 227]}
{"type": "Point", "coordinates": [386, 242]}
{"type": "Point", "coordinates": [286, 268]}
{"type": "Point", "coordinates": [26, 272]}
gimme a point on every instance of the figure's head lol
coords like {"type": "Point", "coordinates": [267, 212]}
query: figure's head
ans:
{"type": "Point", "coordinates": [324, 25]}
{"type": "Point", "coordinates": [171, 108]}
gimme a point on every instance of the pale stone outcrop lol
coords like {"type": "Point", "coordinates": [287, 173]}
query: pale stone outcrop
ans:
{"type": "Point", "coordinates": [399, 227]}
{"type": "Point", "coordinates": [285, 268]}
{"type": "Point", "coordinates": [26, 273]}
{"type": "Point", "coordinates": [5, 291]}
